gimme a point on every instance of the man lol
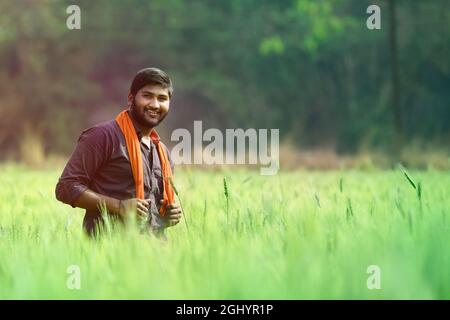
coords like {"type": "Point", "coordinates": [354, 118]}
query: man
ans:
{"type": "Point", "coordinates": [122, 165]}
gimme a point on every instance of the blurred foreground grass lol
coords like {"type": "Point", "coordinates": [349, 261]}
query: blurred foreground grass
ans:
{"type": "Point", "coordinates": [296, 235]}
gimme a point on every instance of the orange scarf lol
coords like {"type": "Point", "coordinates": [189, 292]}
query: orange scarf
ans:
{"type": "Point", "coordinates": [134, 152]}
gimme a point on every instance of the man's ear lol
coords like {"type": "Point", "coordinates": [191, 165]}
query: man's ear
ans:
{"type": "Point", "coordinates": [130, 99]}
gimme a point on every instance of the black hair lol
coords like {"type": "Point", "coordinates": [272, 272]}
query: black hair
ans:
{"type": "Point", "coordinates": [151, 76]}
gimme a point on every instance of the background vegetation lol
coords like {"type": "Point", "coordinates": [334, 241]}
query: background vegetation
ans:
{"type": "Point", "coordinates": [310, 68]}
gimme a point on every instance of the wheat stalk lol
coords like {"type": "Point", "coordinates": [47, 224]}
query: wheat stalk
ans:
{"type": "Point", "coordinates": [408, 177]}
{"type": "Point", "coordinates": [227, 196]}
{"type": "Point", "coordinates": [181, 204]}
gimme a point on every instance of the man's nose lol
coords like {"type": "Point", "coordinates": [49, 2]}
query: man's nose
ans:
{"type": "Point", "coordinates": [154, 103]}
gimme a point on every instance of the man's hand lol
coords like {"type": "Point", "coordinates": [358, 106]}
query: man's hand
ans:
{"type": "Point", "coordinates": [141, 207]}
{"type": "Point", "coordinates": [173, 213]}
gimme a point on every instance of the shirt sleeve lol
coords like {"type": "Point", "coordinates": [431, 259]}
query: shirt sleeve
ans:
{"type": "Point", "coordinates": [89, 155]}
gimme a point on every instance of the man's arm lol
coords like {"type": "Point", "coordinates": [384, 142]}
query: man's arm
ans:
{"type": "Point", "coordinates": [91, 200]}
{"type": "Point", "coordinates": [92, 150]}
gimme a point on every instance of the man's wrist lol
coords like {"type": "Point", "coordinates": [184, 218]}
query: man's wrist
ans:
{"type": "Point", "coordinates": [114, 206]}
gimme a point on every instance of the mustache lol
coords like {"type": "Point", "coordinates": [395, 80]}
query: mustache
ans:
{"type": "Point", "coordinates": [135, 112]}
{"type": "Point", "coordinates": [151, 109]}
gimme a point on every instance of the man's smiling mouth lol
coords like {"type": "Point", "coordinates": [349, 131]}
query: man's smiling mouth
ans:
{"type": "Point", "coordinates": [152, 113]}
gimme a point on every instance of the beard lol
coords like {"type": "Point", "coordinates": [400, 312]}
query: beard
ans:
{"type": "Point", "coordinates": [141, 118]}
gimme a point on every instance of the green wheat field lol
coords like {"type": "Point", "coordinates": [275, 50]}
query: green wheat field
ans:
{"type": "Point", "coordinates": [295, 235]}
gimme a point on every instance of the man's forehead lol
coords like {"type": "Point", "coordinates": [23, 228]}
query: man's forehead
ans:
{"type": "Point", "coordinates": [155, 89]}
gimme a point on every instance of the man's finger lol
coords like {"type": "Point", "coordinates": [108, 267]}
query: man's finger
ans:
{"type": "Point", "coordinates": [142, 207]}
{"type": "Point", "coordinates": [171, 214]}
{"type": "Point", "coordinates": [173, 206]}
{"type": "Point", "coordinates": [141, 214]}
{"type": "Point", "coordinates": [173, 222]}
{"type": "Point", "coordinates": [175, 217]}
{"type": "Point", "coordinates": [145, 202]}
{"type": "Point", "coordinates": [173, 211]}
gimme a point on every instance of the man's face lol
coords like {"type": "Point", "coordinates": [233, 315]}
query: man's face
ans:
{"type": "Point", "coordinates": [150, 105]}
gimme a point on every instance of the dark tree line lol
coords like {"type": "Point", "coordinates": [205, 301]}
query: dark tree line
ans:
{"type": "Point", "coordinates": [311, 68]}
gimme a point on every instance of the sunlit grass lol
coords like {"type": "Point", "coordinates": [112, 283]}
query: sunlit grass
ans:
{"type": "Point", "coordinates": [296, 235]}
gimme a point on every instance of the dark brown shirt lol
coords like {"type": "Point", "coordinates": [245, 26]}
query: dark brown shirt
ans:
{"type": "Point", "coordinates": [101, 163]}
